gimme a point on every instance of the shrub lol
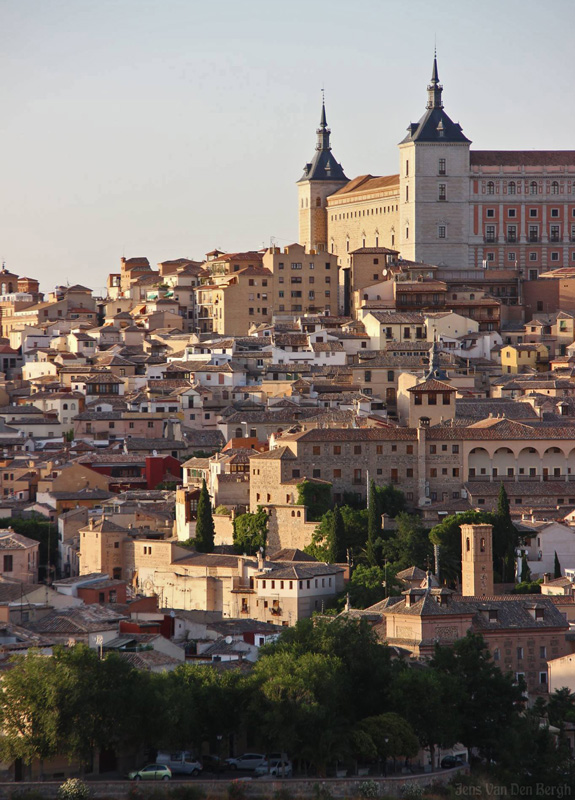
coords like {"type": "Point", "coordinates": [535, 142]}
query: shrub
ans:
{"type": "Point", "coordinates": [368, 789]}
{"type": "Point", "coordinates": [236, 790]}
{"type": "Point", "coordinates": [321, 792]}
{"type": "Point", "coordinates": [74, 789]}
{"type": "Point", "coordinates": [412, 791]}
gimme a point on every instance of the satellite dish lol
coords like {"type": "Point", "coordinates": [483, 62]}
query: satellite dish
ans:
{"type": "Point", "coordinates": [229, 640]}
{"type": "Point", "coordinates": [172, 614]}
{"type": "Point", "coordinates": [384, 272]}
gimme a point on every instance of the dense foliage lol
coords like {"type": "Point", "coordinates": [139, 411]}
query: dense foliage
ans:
{"type": "Point", "coordinates": [250, 532]}
{"type": "Point", "coordinates": [316, 497]}
{"type": "Point", "coordinates": [327, 690]}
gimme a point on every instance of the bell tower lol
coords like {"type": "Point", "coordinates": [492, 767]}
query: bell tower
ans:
{"type": "Point", "coordinates": [322, 176]}
{"type": "Point", "coordinates": [477, 560]}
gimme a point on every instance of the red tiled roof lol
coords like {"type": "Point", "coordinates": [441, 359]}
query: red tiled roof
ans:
{"type": "Point", "coordinates": [531, 158]}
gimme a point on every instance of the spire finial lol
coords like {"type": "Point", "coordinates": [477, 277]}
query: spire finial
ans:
{"type": "Point", "coordinates": [323, 120]}
{"type": "Point", "coordinates": [434, 89]}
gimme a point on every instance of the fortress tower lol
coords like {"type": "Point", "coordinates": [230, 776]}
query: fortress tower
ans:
{"type": "Point", "coordinates": [322, 176]}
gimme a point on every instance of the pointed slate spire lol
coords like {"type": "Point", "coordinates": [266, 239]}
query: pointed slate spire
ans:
{"type": "Point", "coordinates": [434, 89]}
{"type": "Point", "coordinates": [323, 166]}
{"type": "Point", "coordinates": [323, 132]}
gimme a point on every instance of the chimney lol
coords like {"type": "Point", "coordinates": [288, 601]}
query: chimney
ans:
{"type": "Point", "coordinates": [260, 556]}
{"type": "Point", "coordinates": [92, 524]}
{"type": "Point", "coordinates": [547, 577]}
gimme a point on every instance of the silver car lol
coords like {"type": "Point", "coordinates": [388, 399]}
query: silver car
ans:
{"type": "Point", "coordinates": [276, 768]}
{"type": "Point", "coordinates": [247, 761]}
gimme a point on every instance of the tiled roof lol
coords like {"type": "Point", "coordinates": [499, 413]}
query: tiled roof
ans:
{"type": "Point", "coordinates": [519, 158]}
{"type": "Point", "coordinates": [432, 385]}
{"type": "Point", "coordinates": [298, 572]}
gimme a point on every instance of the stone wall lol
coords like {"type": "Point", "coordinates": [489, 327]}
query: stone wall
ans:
{"type": "Point", "coordinates": [338, 787]}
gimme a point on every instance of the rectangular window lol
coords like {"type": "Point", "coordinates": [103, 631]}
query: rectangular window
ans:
{"type": "Point", "coordinates": [357, 449]}
{"type": "Point", "coordinates": [542, 651]}
{"type": "Point", "coordinates": [442, 166]}
{"type": "Point", "coordinates": [8, 563]}
{"type": "Point", "coordinates": [519, 653]}
{"type": "Point", "coordinates": [441, 232]}
{"type": "Point", "coordinates": [442, 191]}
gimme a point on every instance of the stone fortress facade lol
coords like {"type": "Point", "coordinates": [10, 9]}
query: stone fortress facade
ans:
{"type": "Point", "coordinates": [449, 205]}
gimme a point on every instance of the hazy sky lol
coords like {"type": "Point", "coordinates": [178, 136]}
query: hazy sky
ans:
{"type": "Point", "coordinates": [164, 128]}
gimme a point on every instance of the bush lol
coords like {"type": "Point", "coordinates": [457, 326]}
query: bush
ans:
{"type": "Point", "coordinates": [237, 790]}
{"type": "Point", "coordinates": [368, 789]}
{"type": "Point", "coordinates": [412, 791]}
{"type": "Point", "coordinates": [74, 789]}
{"type": "Point", "coordinates": [222, 510]}
{"type": "Point", "coordinates": [321, 792]}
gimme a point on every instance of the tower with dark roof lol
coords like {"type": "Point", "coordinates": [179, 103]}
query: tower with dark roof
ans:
{"type": "Point", "coordinates": [434, 185]}
{"type": "Point", "coordinates": [322, 176]}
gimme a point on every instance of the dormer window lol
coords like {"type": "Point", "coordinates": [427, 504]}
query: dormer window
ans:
{"type": "Point", "coordinates": [492, 615]}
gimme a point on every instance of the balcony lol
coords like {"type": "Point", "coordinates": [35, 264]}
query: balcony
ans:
{"type": "Point", "coordinates": [511, 238]}
{"type": "Point", "coordinates": [276, 611]}
{"type": "Point", "coordinates": [489, 239]}
{"type": "Point", "coordinates": [555, 238]}
{"type": "Point", "coordinates": [534, 237]}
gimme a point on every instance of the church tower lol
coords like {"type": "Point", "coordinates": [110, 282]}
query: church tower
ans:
{"type": "Point", "coordinates": [322, 177]}
{"type": "Point", "coordinates": [476, 560]}
{"type": "Point", "coordinates": [434, 186]}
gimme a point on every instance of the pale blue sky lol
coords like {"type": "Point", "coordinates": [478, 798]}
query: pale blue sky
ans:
{"type": "Point", "coordinates": [164, 128]}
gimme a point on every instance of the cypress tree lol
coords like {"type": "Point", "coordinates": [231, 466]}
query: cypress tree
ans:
{"type": "Point", "coordinates": [373, 525]}
{"type": "Point", "coordinates": [503, 509]}
{"type": "Point", "coordinates": [204, 522]}
{"type": "Point", "coordinates": [337, 550]}
{"type": "Point", "coordinates": [557, 568]}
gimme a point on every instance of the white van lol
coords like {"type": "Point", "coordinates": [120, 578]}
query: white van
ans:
{"type": "Point", "coordinates": [180, 762]}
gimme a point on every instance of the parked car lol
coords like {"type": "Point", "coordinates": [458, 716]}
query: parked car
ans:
{"type": "Point", "coordinates": [448, 762]}
{"type": "Point", "coordinates": [181, 762]}
{"type": "Point", "coordinates": [277, 768]}
{"type": "Point", "coordinates": [247, 761]}
{"type": "Point", "coordinates": [151, 772]}
{"type": "Point", "coordinates": [213, 764]}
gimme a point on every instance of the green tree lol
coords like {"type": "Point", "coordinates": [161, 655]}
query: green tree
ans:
{"type": "Point", "coordinates": [30, 713]}
{"type": "Point", "coordinates": [391, 735]}
{"type": "Point", "coordinates": [205, 531]}
{"type": "Point", "coordinates": [448, 535]}
{"type": "Point", "coordinates": [507, 537]}
{"type": "Point", "coordinates": [366, 586]}
{"type": "Point", "coordinates": [429, 701]}
{"type": "Point", "coordinates": [251, 532]}
{"type": "Point", "coordinates": [373, 526]}
{"type": "Point", "coordinates": [316, 496]}
{"type": "Point", "coordinates": [557, 566]}
{"type": "Point", "coordinates": [409, 544]}
{"type": "Point", "coordinates": [355, 526]}
{"type": "Point", "coordinates": [391, 500]}
{"type": "Point", "coordinates": [489, 700]}
{"type": "Point", "coordinates": [338, 539]}
{"type": "Point", "coordinates": [298, 706]}
{"type": "Point", "coordinates": [365, 664]}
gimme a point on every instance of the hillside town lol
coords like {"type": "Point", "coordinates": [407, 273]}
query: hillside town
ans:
{"type": "Point", "coordinates": [371, 428]}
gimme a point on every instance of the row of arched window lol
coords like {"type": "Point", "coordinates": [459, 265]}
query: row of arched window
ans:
{"type": "Point", "coordinates": [531, 188]}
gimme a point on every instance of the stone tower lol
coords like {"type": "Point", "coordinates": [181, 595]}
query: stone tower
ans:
{"type": "Point", "coordinates": [434, 186]}
{"type": "Point", "coordinates": [476, 560]}
{"type": "Point", "coordinates": [322, 176]}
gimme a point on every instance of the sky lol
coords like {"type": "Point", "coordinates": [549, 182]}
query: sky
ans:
{"type": "Point", "coordinates": [165, 128]}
